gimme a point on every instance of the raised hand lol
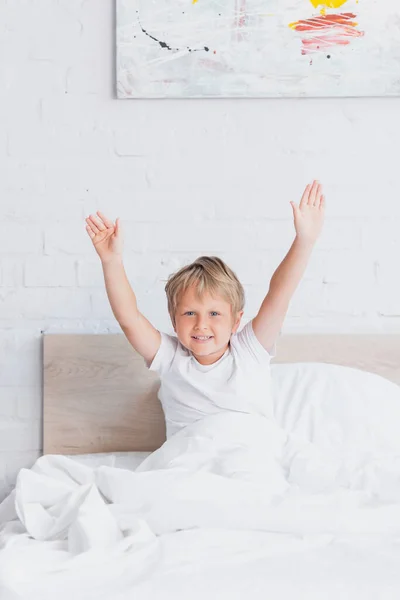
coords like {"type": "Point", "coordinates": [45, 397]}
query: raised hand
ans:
{"type": "Point", "coordinates": [309, 215]}
{"type": "Point", "coordinates": [106, 237]}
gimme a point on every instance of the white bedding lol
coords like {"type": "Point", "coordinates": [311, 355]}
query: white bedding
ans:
{"type": "Point", "coordinates": [230, 506]}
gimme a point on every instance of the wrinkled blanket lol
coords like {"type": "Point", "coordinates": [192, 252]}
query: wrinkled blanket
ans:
{"type": "Point", "coordinates": [228, 471]}
{"type": "Point", "coordinates": [237, 486]}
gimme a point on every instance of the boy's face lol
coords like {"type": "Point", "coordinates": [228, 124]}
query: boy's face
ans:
{"type": "Point", "coordinates": [210, 317]}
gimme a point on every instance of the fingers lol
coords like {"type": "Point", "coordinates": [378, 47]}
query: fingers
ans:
{"type": "Point", "coordinates": [90, 232]}
{"type": "Point", "coordinates": [304, 198]}
{"type": "Point", "coordinates": [106, 221]}
{"type": "Point", "coordinates": [97, 223]}
{"type": "Point", "coordinates": [318, 195]}
{"type": "Point", "coordinates": [315, 194]}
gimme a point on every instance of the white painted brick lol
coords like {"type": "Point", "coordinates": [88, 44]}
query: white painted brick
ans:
{"type": "Point", "coordinates": [11, 272]}
{"type": "Point", "coordinates": [199, 236]}
{"type": "Point", "coordinates": [17, 176]}
{"type": "Point", "coordinates": [25, 207]}
{"type": "Point", "coordinates": [387, 270]}
{"type": "Point", "coordinates": [388, 288]}
{"type": "Point", "coordinates": [254, 268]}
{"type": "Point", "coordinates": [101, 308]}
{"type": "Point", "coordinates": [8, 402]}
{"type": "Point", "coordinates": [32, 303]}
{"type": "Point", "coordinates": [95, 178]}
{"type": "Point", "coordinates": [87, 77]}
{"type": "Point", "coordinates": [20, 357]}
{"type": "Point", "coordinates": [20, 435]}
{"type": "Point", "coordinates": [150, 296]}
{"type": "Point", "coordinates": [153, 305]}
{"type": "Point", "coordinates": [190, 169]}
{"type": "Point", "coordinates": [388, 303]}
{"type": "Point", "coordinates": [72, 238]}
{"type": "Point", "coordinates": [316, 268]}
{"type": "Point", "coordinates": [340, 234]}
{"type": "Point", "coordinates": [40, 77]}
{"type": "Point", "coordinates": [140, 269]}
{"type": "Point", "coordinates": [258, 202]}
{"type": "Point", "coordinates": [339, 266]}
{"type": "Point", "coordinates": [254, 296]}
{"type": "Point", "coordinates": [54, 34]}
{"type": "Point", "coordinates": [79, 110]}
{"type": "Point", "coordinates": [17, 239]}
{"type": "Point", "coordinates": [356, 298]}
{"type": "Point", "coordinates": [47, 271]}
{"type": "Point", "coordinates": [29, 403]}
{"type": "Point", "coordinates": [90, 273]}
{"type": "Point", "coordinates": [17, 460]}
{"type": "Point", "coordinates": [359, 198]}
{"type": "Point", "coordinates": [4, 138]}
{"type": "Point", "coordinates": [307, 300]}
{"type": "Point", "coordinates": [21, 402]}
{"type": "Point", "coordinates": [143, 139]}
{"type": "Point", "coordinates": [61, 142]}
{"type": "Point", "coordinates": [381, 237]}
{"type": "Point", "coordinates": [59, 238]}
{"type": "Point", "coordinates": [162, 206]}
{"type": "Point", "coordinates": [271, 234]}
{"type": "Point", "coordinates": [73, 111]}
{"type": "Point", "coordinates": [338, 324]}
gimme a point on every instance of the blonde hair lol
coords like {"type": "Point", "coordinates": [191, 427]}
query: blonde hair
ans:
{"type": "Point", "coordinates": [209, 274]}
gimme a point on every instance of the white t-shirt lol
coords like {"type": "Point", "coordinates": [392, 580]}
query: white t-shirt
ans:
{"type": "Point", "coordinates": [240, 381]}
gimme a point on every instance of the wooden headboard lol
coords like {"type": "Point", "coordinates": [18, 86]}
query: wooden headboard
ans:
{"type": "Point", "coordinates": [100, 397]}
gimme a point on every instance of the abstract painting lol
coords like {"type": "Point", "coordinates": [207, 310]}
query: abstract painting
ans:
{"type": "Point", "coordinates": [254, 48]}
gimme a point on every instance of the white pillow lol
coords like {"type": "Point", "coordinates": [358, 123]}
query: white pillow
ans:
{"type": "Point", "coordinates": [339, 409]}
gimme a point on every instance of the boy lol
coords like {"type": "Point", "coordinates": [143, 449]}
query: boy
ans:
{"type": "Point", "coordinates": [208, 367]}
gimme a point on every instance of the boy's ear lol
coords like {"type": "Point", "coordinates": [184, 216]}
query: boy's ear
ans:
{"type": "Point", "coordinates": [237, 322]}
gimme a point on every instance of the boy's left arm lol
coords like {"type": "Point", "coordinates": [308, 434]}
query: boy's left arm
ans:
{"type": "Point", "coordinates": [308, 221]}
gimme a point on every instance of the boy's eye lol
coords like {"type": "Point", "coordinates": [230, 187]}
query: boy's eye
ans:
{"type": "Point", "coordinates": [191, 311]}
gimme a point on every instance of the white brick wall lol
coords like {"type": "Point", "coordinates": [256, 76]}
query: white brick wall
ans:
{"type": "Point", "coordinates": [68, 148]}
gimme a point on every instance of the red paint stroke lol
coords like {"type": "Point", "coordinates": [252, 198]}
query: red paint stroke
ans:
{"type": "Point", "coordinates": [240, 19]}
{"type": "Point", "coordinates": [327, 31]}
{"type": "Point", "coordinates": [206, 63]}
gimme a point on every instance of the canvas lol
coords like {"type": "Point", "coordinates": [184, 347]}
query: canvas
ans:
{"type": "Point", "coordinates": [253, 48]}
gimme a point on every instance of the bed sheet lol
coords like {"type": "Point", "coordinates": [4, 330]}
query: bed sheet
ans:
{"type": "Point", "coordinates": [219, 565]}
{"type": "Point", "coordinates": [176, 549]}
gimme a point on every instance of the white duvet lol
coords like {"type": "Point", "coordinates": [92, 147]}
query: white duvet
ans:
{"type": "Point", "coordinates": [199, 514]}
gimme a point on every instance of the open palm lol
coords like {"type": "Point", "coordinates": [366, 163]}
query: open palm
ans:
{"type": "Point", "coordinates": [106, 237]}
{"type": "Point", "coordinates": [309, 215]}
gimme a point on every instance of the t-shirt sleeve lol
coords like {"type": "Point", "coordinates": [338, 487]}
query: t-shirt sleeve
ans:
{"type": "Point", "coordinates": [165, 354]}
{"type": "Point", "coordinates": [248, 342]}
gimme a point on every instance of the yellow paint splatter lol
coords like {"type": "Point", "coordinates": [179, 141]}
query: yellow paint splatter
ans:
{"type": "Point", "coordinates": [328, 3]}
{"type": "Point", "coordinates": [194, 1]}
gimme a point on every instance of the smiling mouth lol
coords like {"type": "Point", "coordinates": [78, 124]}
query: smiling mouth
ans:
{"type": "Point", "coordinates": [202, 339]}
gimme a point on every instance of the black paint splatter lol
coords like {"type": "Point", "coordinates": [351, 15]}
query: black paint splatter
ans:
{"type": "Point", "coordinates": [165, 45]}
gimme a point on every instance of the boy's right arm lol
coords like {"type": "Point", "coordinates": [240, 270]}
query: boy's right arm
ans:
{"type": "Point", "coordinates": [107, 241]}
{"type": "Point", "coordinates": [145, 338]}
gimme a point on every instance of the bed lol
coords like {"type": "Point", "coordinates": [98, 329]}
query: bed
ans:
{"type": "Point", "coordinates": [70, 528]}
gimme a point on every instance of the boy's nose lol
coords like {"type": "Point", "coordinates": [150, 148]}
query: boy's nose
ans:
{"type": "Point", "coordinates": [202, 327]}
